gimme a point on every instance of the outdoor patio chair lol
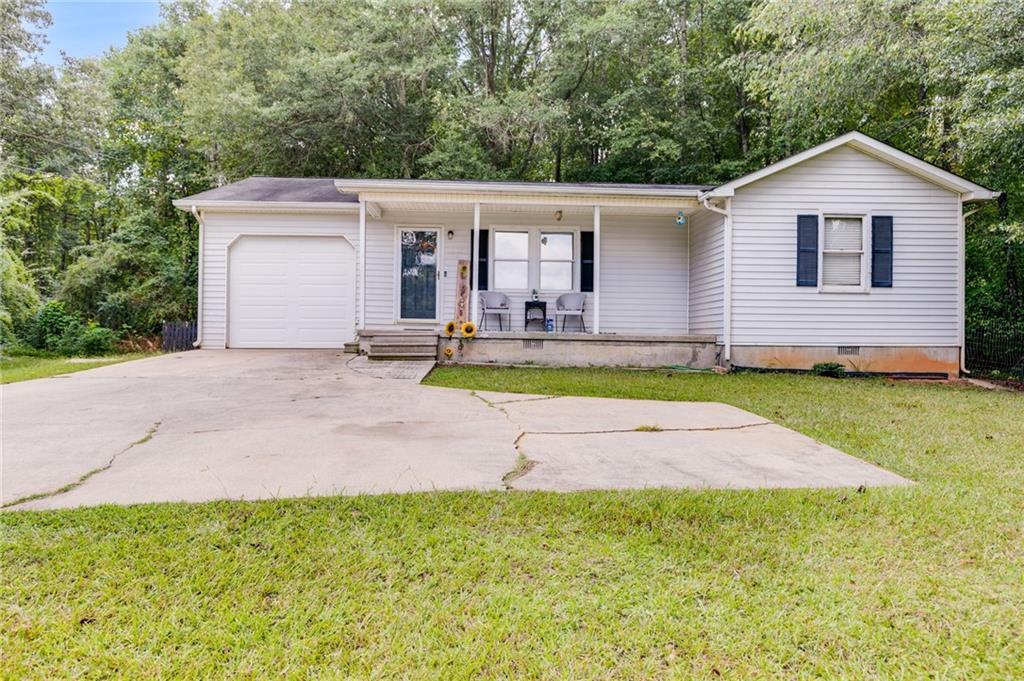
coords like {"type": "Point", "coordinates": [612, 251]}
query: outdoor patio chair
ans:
{"type": "Point", "coordinates": [570, 305]}
{"type": "Point", "coordinates": [495, 303]}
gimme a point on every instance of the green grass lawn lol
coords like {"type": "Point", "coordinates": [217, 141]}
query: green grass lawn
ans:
{"type": "Point", "coordinates": [23, 368]}
{"type": "Point", "coordinates": [910, 582]}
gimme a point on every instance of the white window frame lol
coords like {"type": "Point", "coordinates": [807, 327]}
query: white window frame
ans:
{"type": "Point", "coordinates": [573, 274]}
{"type": "Point", "coordinates": [533, 233]}
{"type": "Point", "coordinates": [494, 229]}
{"type": "Point", "coordinates": [865, 249]}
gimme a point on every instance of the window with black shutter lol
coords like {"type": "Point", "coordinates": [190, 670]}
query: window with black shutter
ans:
{"type": "Point", "coordinates": [807, 250]}
{"type": "Point", "coordinates": [881, 251]}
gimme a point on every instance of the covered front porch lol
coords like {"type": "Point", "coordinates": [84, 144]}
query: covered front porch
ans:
{"type": "Point", "coordinates": [508, 256]}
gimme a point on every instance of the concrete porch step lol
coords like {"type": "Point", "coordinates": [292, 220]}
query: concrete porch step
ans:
{"type": "Point", "coordinates": [391, 347]}
{"type": "Point", "coordinates": [428, 340]}
{"type": "Point", "coordinates": [403, 356]}
{"type": "Point", "coordinates": [399, 344]}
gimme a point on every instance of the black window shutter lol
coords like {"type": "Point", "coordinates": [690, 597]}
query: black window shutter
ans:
{"type": "Point", "coordinates": [881, 251]}
{"type": "Point", "coordinates": [484, 242]}
{"type": "Point", "coordinates": [587, 262]}
{"type": "Point", "coordinates": [806, 250]}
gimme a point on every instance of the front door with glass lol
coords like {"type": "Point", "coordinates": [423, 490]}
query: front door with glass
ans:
{"type": "Point", "coordinates": [418, 260]}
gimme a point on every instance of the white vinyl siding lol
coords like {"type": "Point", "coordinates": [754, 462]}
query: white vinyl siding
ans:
{"type": "Point", "coordinates": [707, 272]}
{"type": "Point", "coordinates": [644, 280]}
{"type": "Point", "coordinates": [921, 307]}
{"type": "Point", "coordinates": [381, 248]}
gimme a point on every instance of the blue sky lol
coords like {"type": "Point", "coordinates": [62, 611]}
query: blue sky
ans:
{"type": "Point", "coordinates": [83, 28]}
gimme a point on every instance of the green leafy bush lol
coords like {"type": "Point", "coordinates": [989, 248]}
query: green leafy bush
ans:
{"type": "Point", "coordinates": [52, 324]}
{"type": "Point", "coordinates": [19, 300]}
{"type": "Point", "coordinates": [133, 280]}
{"type": "Point", "coordinates": [830, 369]}
{"type": "Point", "coordinates": [60, 332]}
{"type": "Point", "coordinates": [95, 340]}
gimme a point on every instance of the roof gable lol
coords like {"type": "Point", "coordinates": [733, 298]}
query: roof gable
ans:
{"type": "Point", "coordinates": [871, 147]}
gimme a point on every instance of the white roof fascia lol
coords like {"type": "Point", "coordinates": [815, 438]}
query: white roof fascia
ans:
{"type": "Point", "coordinates": [269, 206]}
{"type": "Point", "coordinates": [872, 147]}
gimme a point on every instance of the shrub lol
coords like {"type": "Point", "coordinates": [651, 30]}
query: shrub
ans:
{"type": "Point", "coordinates": [830, 369]}
{"type": "Point", "coordinates": [65, 334]}
{"type": "Point", "coordinates": [19, 300]}
{"type": "Point", "coordinates": [52, 325]}
{"type": "Point", "coordinates": [95, 340]}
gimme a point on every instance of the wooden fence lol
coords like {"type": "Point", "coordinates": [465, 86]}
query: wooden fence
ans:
{"type": "Point", "coordinates": [178, 336]}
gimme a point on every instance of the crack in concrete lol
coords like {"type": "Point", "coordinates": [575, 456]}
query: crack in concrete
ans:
{"type": "Point", "coordinates": [150, 432]}
{"type": "Point", "coordinates": [648, 429]}
{"type": "Point", "coordinates": [524, 464]}
{"type": "Point", "coordinates": [528, 399]}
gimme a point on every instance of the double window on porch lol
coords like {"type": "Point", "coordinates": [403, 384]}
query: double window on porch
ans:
{"type": "Point", "coordinates": [532, 259]}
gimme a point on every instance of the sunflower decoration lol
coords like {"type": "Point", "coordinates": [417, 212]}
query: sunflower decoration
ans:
{"type": "Point", "coordinates": [463, 269]}
{"type": "Point", "coordinates": [468, 329]}
{"type": "Point", "coordinates": [450, 328]}
{"type": "Point", "coordinates": [449, 352]}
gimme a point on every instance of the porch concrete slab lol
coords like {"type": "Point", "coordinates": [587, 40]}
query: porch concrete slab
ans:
{"type": "Point", "coordinates": [758, 456]}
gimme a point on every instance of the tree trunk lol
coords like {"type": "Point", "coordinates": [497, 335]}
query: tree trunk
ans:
{"type": "Point", "coordinates": [558, 161]}
{"type": "Point", "coordinates": [741, 120]}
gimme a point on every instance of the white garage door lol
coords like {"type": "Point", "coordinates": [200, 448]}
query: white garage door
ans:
{"type": "Point", "coordinates": [291, 292]}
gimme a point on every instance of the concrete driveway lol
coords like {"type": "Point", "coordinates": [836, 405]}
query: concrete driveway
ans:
{"type": "Point", "coordinates": [259, 424]}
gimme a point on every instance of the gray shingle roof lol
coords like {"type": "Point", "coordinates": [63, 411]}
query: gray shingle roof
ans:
{"type": "Point", "coordinates": [300, 189]}
{"type": "Point", "coordinates": [323, 190]}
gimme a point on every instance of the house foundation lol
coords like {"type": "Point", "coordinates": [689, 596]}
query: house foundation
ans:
{"type": "Point", "coordinates": [582, 350]}
{"type": "Point", "coordinates": [876, 359]}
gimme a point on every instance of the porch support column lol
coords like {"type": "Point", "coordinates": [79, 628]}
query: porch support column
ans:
{"type": "Point", "coordinates": [597, 269]}
{"type": "Point", "coordinates": [362, 264]}
{"type": "Point", "coordinates": [474, 303]}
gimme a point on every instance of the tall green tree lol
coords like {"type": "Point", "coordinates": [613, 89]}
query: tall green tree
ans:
{"type": "Point", "coordinates": [567, 90]}
{"type": "Point", "coordinates": [944, 80]}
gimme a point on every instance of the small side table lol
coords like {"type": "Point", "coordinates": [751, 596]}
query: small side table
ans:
{"type": "Point", "coordinates": [536, 311]}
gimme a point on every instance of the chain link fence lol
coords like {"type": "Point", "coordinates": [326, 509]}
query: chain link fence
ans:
{"type": "Point", "coordinates": [996, 353]}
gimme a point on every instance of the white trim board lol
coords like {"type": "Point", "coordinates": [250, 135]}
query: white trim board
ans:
{"type": "Point", "coordinates": [291, 207]}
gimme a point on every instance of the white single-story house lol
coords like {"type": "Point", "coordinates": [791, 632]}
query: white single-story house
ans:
{"type": "Point", "coordinates": [851, 251]}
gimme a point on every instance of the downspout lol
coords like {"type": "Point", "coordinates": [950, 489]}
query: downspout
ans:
{"type": "Point", "coordinates": [727, 285]}
{"type": "Point", "coordinates": [962, 285]}
{"type": "Point", "coordinates": [199, 310]}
